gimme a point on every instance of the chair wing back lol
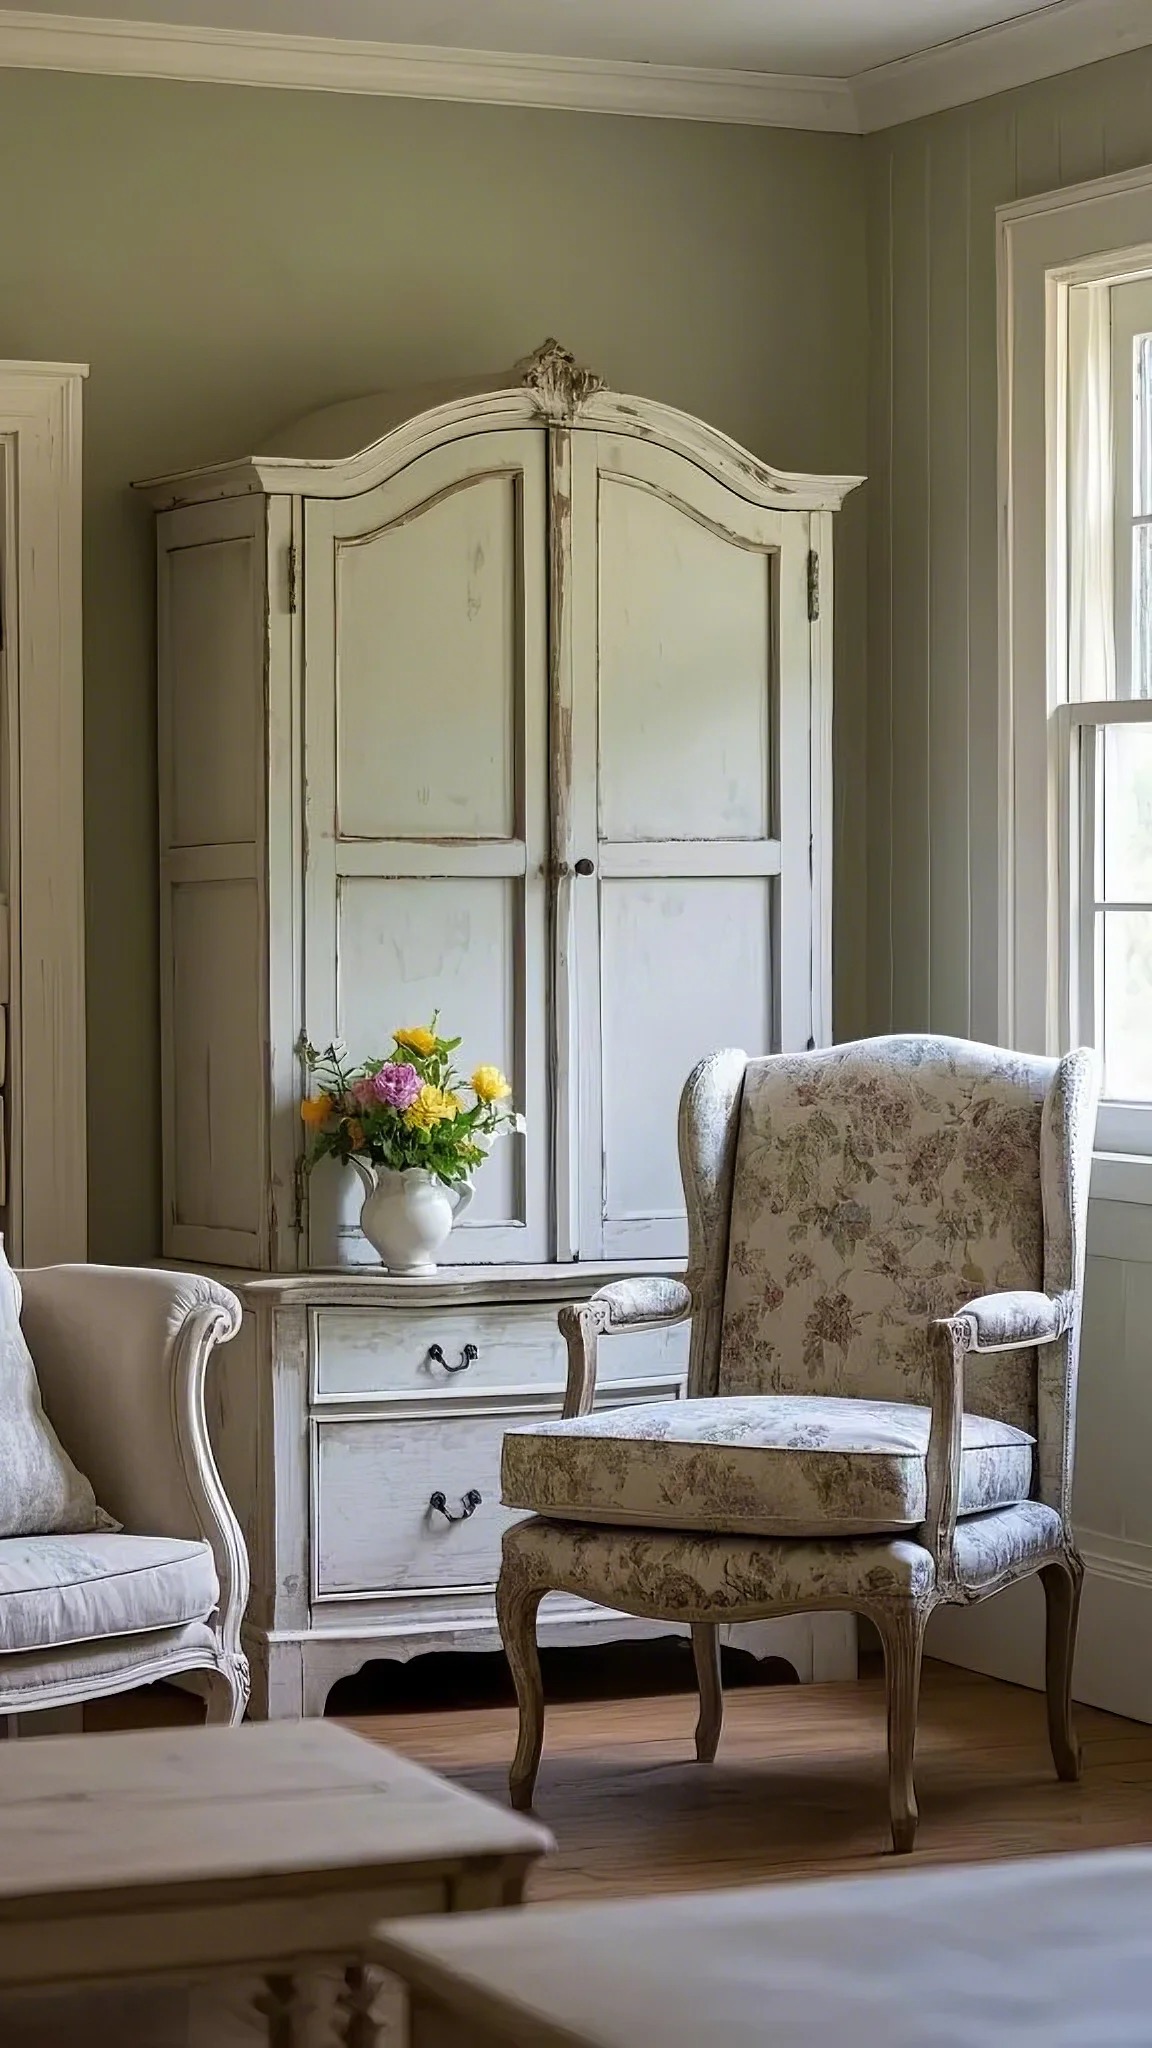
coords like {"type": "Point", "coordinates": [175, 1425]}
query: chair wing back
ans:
{"type": "Point", "coordinates": [881, 1184]}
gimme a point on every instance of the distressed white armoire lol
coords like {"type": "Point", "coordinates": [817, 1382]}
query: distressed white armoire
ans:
{"type": "Point", "coordinates": [511, 701]}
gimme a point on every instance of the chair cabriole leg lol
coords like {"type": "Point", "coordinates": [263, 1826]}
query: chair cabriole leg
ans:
{"type": "Point", "coordinates": [902, 1627]}
{"type": "Point", "coordinates": [1062, 1583]}
{"type": "Point", "coordinates": [516, 1610]}
{"type": "Point", "coordinates": [706, 1651]}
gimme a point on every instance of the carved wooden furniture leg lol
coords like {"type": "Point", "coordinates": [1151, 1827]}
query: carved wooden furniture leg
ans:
{"type": "Point", "coordinates": [227, 1700]}
{"type": "Point", "coordinates": [706, 1650]}
{"type": "Point", "coordinates": [1062, 1584]}
{"type": "Point", "coordinates": [902, 1627]}
{"type": "Point", "coordinates": [357, 2026]}
{"type": "Point", "coordinates": [516, 1609]}
{"type": "Point", "coordinates": [286, 2010]}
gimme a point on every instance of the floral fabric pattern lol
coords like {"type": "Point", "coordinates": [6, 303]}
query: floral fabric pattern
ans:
{"type": "Point", "coordinates": [880, 1186]}
{"type": "Point", "coordinates": [680, 1576]}
{"type": "Point", "coordinates": [787, 1466]}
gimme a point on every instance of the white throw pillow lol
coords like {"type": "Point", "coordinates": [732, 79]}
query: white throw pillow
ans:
{"type": "Point", "coordinates": [41, 1492]}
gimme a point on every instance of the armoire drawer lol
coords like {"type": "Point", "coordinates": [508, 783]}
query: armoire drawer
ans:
{"type": "Point", "coordinates": [361, 1352]}
{"type": "Point", "coordinates": [374, 1480]}
{"type": "Point", "coordinates": [375, 1531]}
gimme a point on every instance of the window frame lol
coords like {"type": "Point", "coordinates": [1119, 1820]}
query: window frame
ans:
{"type": "Point", "coordinates": [1089, 234]}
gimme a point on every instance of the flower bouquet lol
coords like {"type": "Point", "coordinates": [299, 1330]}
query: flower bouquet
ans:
{"type": "Point", "coordinates": [404, 1125]}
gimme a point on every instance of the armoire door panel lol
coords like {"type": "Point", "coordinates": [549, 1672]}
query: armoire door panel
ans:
{"type": "Point", "coordinates": [684, 640]}
{"type": "Point", "coordinates": [407, 947]}
{"type": "Point", "coordinates": [428, 669]}
{"type": "Point", "coordinates": [686, 968]}
{"type": "Point", "coordinates": [690, 708]}
{"type": "Point", "coordinates": [426, 777]}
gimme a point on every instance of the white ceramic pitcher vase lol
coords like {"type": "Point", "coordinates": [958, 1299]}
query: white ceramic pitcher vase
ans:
{"type": "Point", "coordinates": [407, 1215]}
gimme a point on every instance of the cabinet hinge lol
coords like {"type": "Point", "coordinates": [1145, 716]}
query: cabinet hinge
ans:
{"type": "Point", "coordinates": [292, 575]}
{"type": "Point", "coordinates": [813, 584]}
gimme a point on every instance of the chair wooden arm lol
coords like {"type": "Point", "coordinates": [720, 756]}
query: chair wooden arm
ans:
{"type": "Point", "coordinates": [1013, 1320]}
{"type": "Point", "coordinates": [645, 1303]}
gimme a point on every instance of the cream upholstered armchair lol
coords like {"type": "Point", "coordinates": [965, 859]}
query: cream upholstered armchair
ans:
{"type": "Point", "coordinates": [885, 1274]}
{"type": "Point", "coordinates": [121, 1358]}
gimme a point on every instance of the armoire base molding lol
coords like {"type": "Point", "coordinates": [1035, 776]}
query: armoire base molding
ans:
{"type": "Point", "coordinates": [293, 1674]}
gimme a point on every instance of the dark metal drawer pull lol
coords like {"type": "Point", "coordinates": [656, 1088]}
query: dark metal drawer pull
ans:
{"type": "Point", "coordinates": [438, 1505]}
{"type": "Point", "coordinates": [468, 1357]}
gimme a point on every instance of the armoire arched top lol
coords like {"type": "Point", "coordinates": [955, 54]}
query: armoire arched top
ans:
{"type": "Point", "coordinates": [346, 448]}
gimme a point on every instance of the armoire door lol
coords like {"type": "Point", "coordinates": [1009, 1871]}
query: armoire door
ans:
{"type": "Point", "coordinates": [688, 835]}
{"type": "Point", "coordinates": [425, 685]}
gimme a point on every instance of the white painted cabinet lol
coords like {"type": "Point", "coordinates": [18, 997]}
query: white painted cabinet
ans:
{"type": "Point", "coordinates": [514, 703]}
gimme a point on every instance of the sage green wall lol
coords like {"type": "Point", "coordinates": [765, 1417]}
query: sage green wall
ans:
{"type": "Point", "coordinates": [226, 258]}
{"type": "Point", "coordinates": [934, 186]}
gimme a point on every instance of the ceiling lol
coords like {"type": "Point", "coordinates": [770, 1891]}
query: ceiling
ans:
{"type": "Point", "coordinates": [851, 66]}
{"type": "Point", "coordinates": [827, 38]}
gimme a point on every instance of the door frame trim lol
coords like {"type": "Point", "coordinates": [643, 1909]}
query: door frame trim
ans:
{"type": "Point", "coordinates": [42, 786]}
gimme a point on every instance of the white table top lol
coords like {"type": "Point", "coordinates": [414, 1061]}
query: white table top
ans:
{"type": "Point", "coordinates": [1052, 1953]}
{"type": "Point", "coordinates": [105, 1819]}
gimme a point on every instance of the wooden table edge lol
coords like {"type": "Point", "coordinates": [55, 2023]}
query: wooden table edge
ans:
{"type": "Point", "coordinates": [266, 1888]}
{"type": "Point", "coordinates": [453, 1990]}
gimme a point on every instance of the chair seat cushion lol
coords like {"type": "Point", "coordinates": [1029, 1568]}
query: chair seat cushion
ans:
{"type": "Point", "coordinates": [74, 1589]}
{"type": "Point", "coordinates": [764, 1465]}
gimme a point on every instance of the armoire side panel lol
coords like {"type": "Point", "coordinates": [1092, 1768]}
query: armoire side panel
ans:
{"type": "Point", "coordinates": [211, 604]}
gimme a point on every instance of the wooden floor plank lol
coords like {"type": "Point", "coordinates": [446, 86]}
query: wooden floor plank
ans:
{"type": "Point", "coordinates": [798, 1789]}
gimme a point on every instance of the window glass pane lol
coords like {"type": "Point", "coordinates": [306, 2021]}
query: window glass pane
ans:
{"type": "Point", "coordinates": [1142, 611]}
{"type": "Point", "coordinates": [1124, 957]}
{"type": "Point", "coordinates": [1125, 801]}
{"type": "Point", "coordinates": [1142, 428]}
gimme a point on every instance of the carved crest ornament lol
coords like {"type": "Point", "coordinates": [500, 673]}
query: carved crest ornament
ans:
{"type": "Point", "coordinates": [558, 382]}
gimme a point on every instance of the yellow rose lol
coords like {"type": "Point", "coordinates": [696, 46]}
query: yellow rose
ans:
{"type": "Point", "coordinates": [315, 1110]}
{"type": "Point", "coordinates": [432, 1106]}
{"type": "Point", "coordinates": [355, 1134]}
{"type": "Point", "coordinates": [489, 1084]}
{"type": "Point", "coordinates": [419, 1040]}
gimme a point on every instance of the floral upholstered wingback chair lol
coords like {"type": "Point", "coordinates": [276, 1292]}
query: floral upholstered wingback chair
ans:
{"type": "Point", "coordinates": [885, 1273]}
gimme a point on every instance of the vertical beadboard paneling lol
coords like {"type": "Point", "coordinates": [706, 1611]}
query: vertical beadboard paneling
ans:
{"type": "Point", "coordinates": [911, 556]}
{"type": "Point", "coordinates": [933, 796]}
{"type": "Point", "coordinates": [991, 162]}
{"type": "Point", "coordinates": [949, 666]}
{"type": "Point", "coordinates": [879, 737]}
{"type": "Point", "coordinates": [1128, 120]}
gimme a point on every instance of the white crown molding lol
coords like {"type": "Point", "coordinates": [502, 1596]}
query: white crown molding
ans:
{"type": "Point", "coordinates": [1062, 36]}
{"type": "Point", "coordinates": [71, 42]}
